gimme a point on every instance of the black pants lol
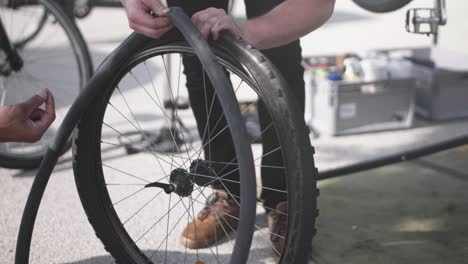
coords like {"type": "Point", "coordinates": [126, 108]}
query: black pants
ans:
{"type": "Point", "coordinates": [203, 101]}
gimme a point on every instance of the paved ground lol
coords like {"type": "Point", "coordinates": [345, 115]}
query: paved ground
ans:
{"type": "Point", "coordinates": [408, 213]}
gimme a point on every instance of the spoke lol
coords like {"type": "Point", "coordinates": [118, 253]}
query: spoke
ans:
{"type": "Point", "coordinates": [157, 105]}
{"type": "Point", "coordinates": [221, 179]}
{"type": "Point", "coordinates": [227, 190]}
{"type": "Point", "coordinates": [125, 173]}
{"type": "Point", "coordinates": [180, 157]}
{"type": "Point", "coordinates": [172, 96]}
{"type": "Point", "coordinates": [141, 208]}
{"type": "Point", "coordinates": [195, 226]}
{"type": "Point", "coordinates": [220, 132]}
{"type": "Point", "coordinates": [264, 130]}
{"type": "Point", "coordinates": [236, 169]}
{"type": "Point", "coordinates": [256, 165]}
{"type": "Point", "coordinates": [167, 227]}
{"type": "Point", "coordinates": [188, 210]}
{"type": "Point", "coordinates": [131, 141]}
{"type": "Point", "coordinates": [140, 149]}
{"type": "Point", "coordinates": [215, 178]}
{"type": "Point", "coordinates": [256, 226]}
{"type": "Point", "coordinates": [126, 197]}
{"type": "Point", "coordinates": [219, 119]}
{"type": "Point", "coordinates": [266, 207]}
{"type": "Point", "coordinates": [166, 238]}
{"type": "Point", "coordinates": [186, 241]}
{"type": "Point", "coordinates": [138, 128]}
{"type": "Point", "coordinates": [213, 193]}
{"type": "Point", "coordinates": [152, 83]}
{"type": "Point", "coordinates": [157, 222]}
{"type": "Point", "coordinates": [214, 209]}
{"type": "Point", "coordinates": [208, 112]}
{"type": "Point", "coordinates": [168, 119]}
{"type": "Point", "coordinates": [178, 117]}
{"type": "Point", "coordinates": [125, 184]}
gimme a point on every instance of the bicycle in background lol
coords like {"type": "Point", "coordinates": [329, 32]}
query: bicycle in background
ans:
{"type": "Point", "coordinates": [40, 47]}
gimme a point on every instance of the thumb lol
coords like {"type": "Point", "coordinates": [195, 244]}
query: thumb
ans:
{"type": "Point", "coordinates": [35, 101]}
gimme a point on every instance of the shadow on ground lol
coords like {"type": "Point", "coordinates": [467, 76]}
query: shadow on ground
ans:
{"type": "Point", "coordinates": [174, 258]}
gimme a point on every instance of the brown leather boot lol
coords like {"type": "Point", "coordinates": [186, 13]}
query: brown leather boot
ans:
{"type": "Point", "coordinates": [220, 215]}
{"type": "Point", "coordinates": [278, 225]}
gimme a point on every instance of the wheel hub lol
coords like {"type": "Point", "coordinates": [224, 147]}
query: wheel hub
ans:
{"type": "Point", "coordinates": [181, 181]}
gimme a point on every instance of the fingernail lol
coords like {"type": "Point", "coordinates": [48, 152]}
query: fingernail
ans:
{"type": "Point", "coordinates": [43, 93]}
{"type": "Point", "coordinates": [165, 10]}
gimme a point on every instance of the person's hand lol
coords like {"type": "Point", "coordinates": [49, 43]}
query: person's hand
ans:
{"type": "Point", "coordinates": [26, 122]}
{"type": "Point", "coordinates": [213, 21]}
{"type": "Point", "coordinates": [146, 17]}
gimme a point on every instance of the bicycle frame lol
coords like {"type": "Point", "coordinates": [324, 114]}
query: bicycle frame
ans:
{"type": "Point", "coordinates": [14, 61]}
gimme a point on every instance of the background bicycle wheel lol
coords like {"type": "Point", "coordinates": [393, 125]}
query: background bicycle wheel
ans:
{"type": "Point", "coordinates": [55, 57]}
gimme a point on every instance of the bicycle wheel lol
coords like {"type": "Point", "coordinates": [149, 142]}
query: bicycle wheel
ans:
{"type": "Point", "coordinates": [55, 56]}
{"type": "Point", "coordinates": [382, 6]}
{"type": "Point", "coordinates": [140, 225]}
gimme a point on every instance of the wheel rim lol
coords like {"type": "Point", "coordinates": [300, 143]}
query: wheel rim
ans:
{"type": "Point", "coordinates": [121, 101]}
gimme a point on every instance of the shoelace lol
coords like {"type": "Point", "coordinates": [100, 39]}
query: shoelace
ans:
{"type": "Point", "coordinates": [210, 202]}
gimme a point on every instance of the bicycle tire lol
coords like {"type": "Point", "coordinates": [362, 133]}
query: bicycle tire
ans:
{"type": "Point", "coordinates": [381, 6]}
{"type": "Point", "coordinates": [33, 158]}
{"type": "Point", "coordinates": [294, 141]}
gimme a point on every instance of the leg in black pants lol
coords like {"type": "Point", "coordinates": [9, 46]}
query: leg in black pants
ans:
{"type": "Point", "coordinates": [207, 109]}
{"type": "Point", "coordinates": [288, 60]}
{"type": "Point", "coordinates": [207, 228]}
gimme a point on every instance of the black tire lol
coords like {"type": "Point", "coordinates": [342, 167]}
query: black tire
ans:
{"type": "Point", "coordinates": [381, 6]}
{"type": "Point", "coordinates": [64, 69]}
{"type": "Point", "coordinates": [240, 59]}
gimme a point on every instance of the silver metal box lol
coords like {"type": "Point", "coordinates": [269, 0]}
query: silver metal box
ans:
{"type": "Point", "coordinates": [341, 108]}
{"type": "Point", "coordinates": [441, 94]}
